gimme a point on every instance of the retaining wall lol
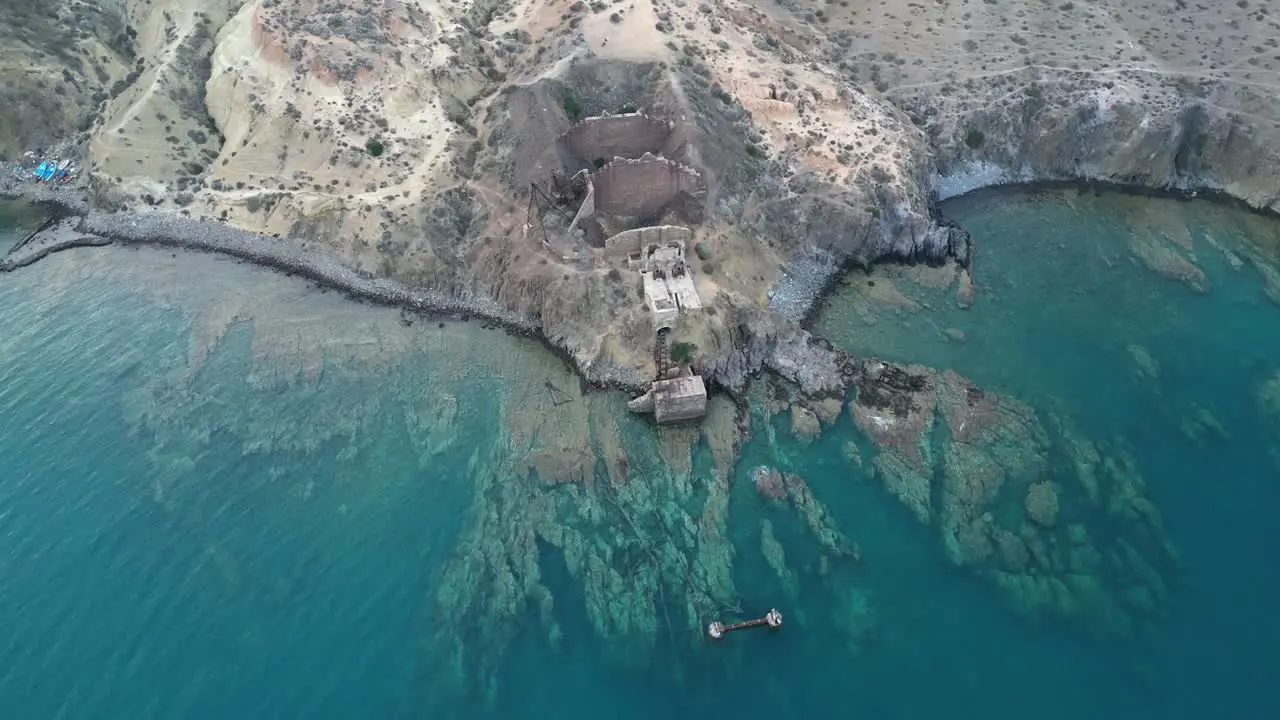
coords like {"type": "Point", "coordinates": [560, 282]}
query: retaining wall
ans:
{"type": "Point", "coordinates": [642, 187]}
{"type": "Point", "coordinates": [628, 136]}
{"type": "Point", "coordinates": [628, 242]}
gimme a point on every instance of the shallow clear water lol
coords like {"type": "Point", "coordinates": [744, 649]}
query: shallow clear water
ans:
{"type": "Point", "coordinates": [226, 494]}
{"type": "Point", "coordinates": [14, 218]}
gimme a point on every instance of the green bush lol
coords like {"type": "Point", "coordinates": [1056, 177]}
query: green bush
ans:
{"type": "Point", "coordinates": [682, 352]}
{"type": "Point", "coordinates": [572, 108]}
{"type": "Point", "coordinates": [374, 147]}
{"type": "Point", "coordinates": [974, 139]}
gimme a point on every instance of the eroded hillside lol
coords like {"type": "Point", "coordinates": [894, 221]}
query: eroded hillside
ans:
{"type": "Point", "coordinates": [1154, 92]}
{"type": "Point", "coordinates": [60, 60]}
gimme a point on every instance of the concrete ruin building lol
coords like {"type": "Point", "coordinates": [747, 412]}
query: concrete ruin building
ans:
{"type": "Point", "coordinates": [668, 284]}
{"type": "Point", "coordinates": [682, 398]}
{"type": "Point", "coordinates": [676, 394]}
{"type": "Point", "coordinates": [640, 200]}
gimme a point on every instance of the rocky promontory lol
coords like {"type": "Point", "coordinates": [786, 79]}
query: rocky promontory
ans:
{"type": "Point", "coordinates": [507, 158]}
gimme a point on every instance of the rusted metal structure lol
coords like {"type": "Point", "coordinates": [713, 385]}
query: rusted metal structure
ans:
{"type": "Point", "coordinates": [772, 620]}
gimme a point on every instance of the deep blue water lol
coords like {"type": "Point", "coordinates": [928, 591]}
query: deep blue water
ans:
{"type": "Point", "coordinates": [224, 494]}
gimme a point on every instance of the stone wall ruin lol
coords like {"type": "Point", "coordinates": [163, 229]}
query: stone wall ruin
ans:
{"type": "Point", "coordinates": [601, 139]}
{"type": "Point", "coordinates": [683, 398]}
{"type": "Point", "coordinates": [643, 187]}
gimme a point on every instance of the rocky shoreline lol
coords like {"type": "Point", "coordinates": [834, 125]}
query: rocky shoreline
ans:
{"type": "Point", "coordinates": [786, 348]}
{"type": "Point", "coordinates": [75, 224]}
{"type": "Point", "coordinates": [1182, 194]}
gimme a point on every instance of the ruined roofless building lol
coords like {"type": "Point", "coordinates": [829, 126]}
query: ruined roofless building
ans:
{"type": "Point", "coordinates": [637, 174]}
{"type": "Point", "coordinates": [683, 398]}
{"type": "Point", "coordinates": [594, 141]}
{"type": "Point", "coordinates": [639, 170]}
{"type": "Point", "coordinates": [674, 400]}
{"type": "Point", "coordinates": [667, 281]}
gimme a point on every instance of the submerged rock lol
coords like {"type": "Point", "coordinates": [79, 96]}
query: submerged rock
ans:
{"type": "Point", "coordinates": [1201, 425]}
{"type": "Point", "coordinates": [1146, 368]}
{"type": "Point", "coordinates": [769, 483]}
{"type": "Point", "coordinates": [1042, 504]}
{"type": "Point", "coordinates": [805, 424]}
{"type": "Point", "coordinates": [1269, 401]}
{"type": "Point", "coordinates": [776, 556]}
{"type": "Point", "coordinates": [975, 466]}
{"type": "Point", "coordinates": [1167, 260]}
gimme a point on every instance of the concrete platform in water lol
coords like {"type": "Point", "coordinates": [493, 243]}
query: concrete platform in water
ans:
{"type": "Point", "coordinates": [772, 620]}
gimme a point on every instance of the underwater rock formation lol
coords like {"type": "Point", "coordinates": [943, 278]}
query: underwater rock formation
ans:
{"type": "Point", "coordinates": [1269, 399]}
{"type": "Point", "coordinates": [639, 520]}
{"type": "Point", "coordinates": [1200, 426]}
{"type": "Point", "coordinates": [1269, 405]}
{"type": "Point", "coordinates": [1042, 504]}
{"type": "Point", "coordinates": [778, 486]}
{"type": "Point", "coordinates": [1078, 539]}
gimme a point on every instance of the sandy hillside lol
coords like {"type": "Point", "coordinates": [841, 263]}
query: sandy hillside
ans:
{"type": "Point", "coordinates": [156, 136]}
{"type": "Point", "coordinates": [300, 88]}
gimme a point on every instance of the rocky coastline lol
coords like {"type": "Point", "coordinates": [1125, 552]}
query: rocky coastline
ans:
{"type": "Point", "coordinates": [1206, 192]}
{"type": "Point", "coordinates": [798, 142]}
{"type": "Point", "coordinates": [74, 224]}
{"type": "Point", "coordinates": [784, 345]}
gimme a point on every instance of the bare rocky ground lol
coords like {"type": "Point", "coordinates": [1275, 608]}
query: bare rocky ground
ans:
{"type": "Point", "coordinates": [400, 138]}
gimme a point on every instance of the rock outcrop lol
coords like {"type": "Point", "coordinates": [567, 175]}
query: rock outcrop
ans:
{"type": "Point", "coordinates": [1082, 542]}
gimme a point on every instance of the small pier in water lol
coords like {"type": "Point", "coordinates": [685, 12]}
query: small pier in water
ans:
{"type": "Point", "coordinates": [772, 620]}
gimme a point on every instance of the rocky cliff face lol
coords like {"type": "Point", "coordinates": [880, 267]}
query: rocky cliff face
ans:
{"type": "Point", "coordinates": [1185, 142]}
{"type": "Point", "coordinates": [1179, 95]}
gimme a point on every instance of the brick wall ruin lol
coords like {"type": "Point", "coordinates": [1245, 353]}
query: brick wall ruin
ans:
{"type": "Point", "coordinates": [628, 136]}
{"type": "Point", "coordinates": [642, 187]}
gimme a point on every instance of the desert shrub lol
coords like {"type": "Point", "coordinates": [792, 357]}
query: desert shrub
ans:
{"type": "Point", "coordinates": [572, 108]}
{"type": "Point", "coordinates": [682, 352]}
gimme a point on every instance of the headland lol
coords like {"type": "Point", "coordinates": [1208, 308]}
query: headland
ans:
{"type": "Point", "coordinates": [519, 161]}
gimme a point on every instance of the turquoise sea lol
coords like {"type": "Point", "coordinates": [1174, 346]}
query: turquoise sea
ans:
{"type": "Point", "coordinates": [224, 493]}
